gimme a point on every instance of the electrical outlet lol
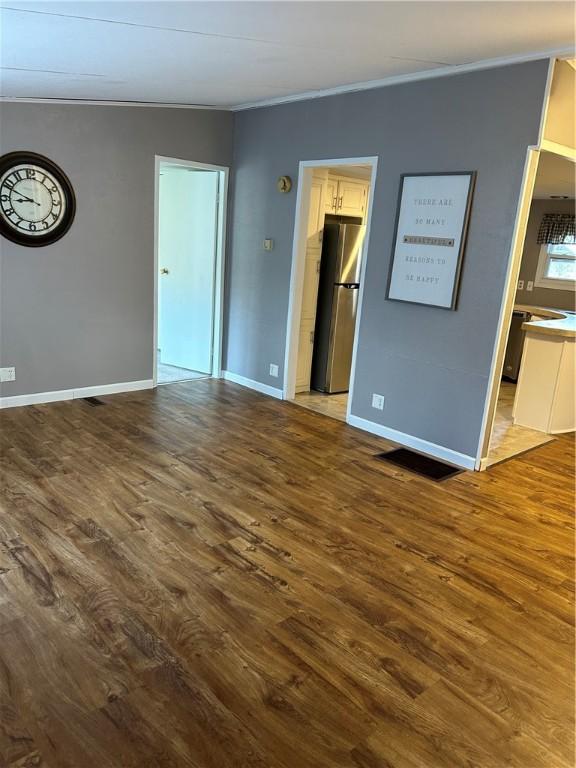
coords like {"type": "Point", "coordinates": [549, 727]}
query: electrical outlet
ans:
{"type": "Point", "coordinates": [378, 401]}
{"type": "Point", "coordinates": [530, 285]}
{"type": "Point", "coordinates": [273, 370]}
{"type": "Point", "coordinates": [520, 285]}
{"type": "Point", "coordinates": [268, 244]}
{"type": "Point", "coordinates": [7, 374]}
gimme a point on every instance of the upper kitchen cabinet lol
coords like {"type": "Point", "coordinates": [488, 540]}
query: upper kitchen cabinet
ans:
{"type": "Point", "coordinates": [331, 194]}
{"type": "Point", "coordinates": [352, 196]}
{"type": "Point", "coordinates": [345, 196]}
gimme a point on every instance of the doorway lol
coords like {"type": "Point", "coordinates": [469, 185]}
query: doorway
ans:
{"type": "Point", "coordinates": [532, 382]}
{"type": "Point", "coordinates": [333, 209]}
{"type": "Point", "coordinates": [189, 262]}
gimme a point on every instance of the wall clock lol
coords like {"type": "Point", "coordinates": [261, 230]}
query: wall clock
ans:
{"type": "Point", "coordinates": [37, 202]}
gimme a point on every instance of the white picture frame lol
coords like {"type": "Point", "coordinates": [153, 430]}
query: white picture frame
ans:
{"type": "Point", "coordinates": [430, 237]}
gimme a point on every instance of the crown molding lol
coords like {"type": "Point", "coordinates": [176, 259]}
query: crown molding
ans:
{"type": "Point", "coordinates": [428, 74]}
{"type": "Point", "coordinates": [368, 85]}
{"type": "Point", "coordinates": [104, 103]}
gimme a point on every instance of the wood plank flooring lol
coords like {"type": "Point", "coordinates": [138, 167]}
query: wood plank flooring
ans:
{"type": "Point", "coordinates": [204, 577]}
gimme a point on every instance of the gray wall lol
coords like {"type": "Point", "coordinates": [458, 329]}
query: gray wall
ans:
{"type": "Point", "coordinates": [80, 312]}
{"type": "Point", "coordinates": [542, 297]}
{"type": "Point", "coordinates": [432, 365]}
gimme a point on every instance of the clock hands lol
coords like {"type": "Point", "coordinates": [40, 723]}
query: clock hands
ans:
{"type": "Point", "coordinates": [24, 199]}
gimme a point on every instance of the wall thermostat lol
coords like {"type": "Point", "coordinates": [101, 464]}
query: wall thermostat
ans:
{"type": "Point", "coordinates": [284, 184]}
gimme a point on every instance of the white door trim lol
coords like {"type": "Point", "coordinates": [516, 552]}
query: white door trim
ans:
{"type": "Point", "coordinates": [218, 322]}
{"type": "Point", "coordinates": [305, 171]}
{"type": "Point", "coordinates": [507, 306]}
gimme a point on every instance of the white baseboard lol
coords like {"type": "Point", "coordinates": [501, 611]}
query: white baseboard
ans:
{"type": "Point", "coordinates": [37, 398]}
{"type": "Point", "coordinates": [409, 441]}
{"type": "Point", "coordinates": [265, 389]}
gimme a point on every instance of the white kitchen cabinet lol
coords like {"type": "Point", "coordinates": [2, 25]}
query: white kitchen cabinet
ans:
{"type": "Point", "coordinates": [352, 196]}
{"type": "Point", "coordinates": [305, 350]}
{"type": "Point", "coordinates": [346, 196]}
{"type": "Point", "coordinates": [311, 277]}
{"type": "Point", "coordinates": [310, 288]}
{"type": "Point", "coordinates": [331, 195]}
{"type": "Point", "coordinates": [316, 214]}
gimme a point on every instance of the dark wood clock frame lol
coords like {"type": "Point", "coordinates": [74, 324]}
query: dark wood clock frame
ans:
{"type": "Point", "coordinates": [35, 241]}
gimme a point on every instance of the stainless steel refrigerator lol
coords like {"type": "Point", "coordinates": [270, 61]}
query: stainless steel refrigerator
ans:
{"type": "Point", "coordinates": [337, 304]}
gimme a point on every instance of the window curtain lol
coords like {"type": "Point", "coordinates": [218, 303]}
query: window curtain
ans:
{"type": "Point", "coordinates": [556, 228]}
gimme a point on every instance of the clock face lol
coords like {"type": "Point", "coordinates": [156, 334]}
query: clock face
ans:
{"type": "Point", "coordinates": [36, 199]}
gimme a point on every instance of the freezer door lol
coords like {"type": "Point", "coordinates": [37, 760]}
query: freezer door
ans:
{"type": "Point", "coordinates": [341, 338]}
{"type": "Point", "coordinates": [348, 259]}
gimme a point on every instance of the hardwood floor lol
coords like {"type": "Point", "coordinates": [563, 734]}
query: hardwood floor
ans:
{"type": "Point", "coordinates": [205, 577]}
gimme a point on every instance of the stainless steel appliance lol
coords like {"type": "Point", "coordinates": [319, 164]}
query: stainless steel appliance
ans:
{"type": "Point", "coordinates": [337, 304]}
{"type": "Point", "coordinates": [515, 346]}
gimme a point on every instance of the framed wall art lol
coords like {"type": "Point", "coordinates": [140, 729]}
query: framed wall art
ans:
{"type": "Point", "coordinates": [430, 237]}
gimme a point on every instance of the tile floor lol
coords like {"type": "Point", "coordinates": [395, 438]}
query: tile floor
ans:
{"type": "Point", "coordinates": [508, 439]}
{"type": "Point", "coordinates": [330, 405]}
{"type": "Point", "coordinates": [170, 373]}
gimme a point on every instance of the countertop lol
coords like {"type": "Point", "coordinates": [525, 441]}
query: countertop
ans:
{"type": "Point", "coordinates": [556, 322]}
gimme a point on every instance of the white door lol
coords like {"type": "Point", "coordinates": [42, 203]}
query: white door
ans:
{"type": "Point", "coordinates": [187, 232]}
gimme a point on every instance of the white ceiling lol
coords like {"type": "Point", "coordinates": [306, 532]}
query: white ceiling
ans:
{"type": "Point", "coordinates": [237, 53]}
{"type": "Point", "coordinates": [556, 175]}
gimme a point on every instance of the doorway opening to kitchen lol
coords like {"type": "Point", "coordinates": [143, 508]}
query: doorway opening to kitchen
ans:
{"type": "Point", "coordinates": [535, 395]}
{"type": "Point", "coordinates": [190, 201]}
{"type": "Point", "coordinates": [333, 210]}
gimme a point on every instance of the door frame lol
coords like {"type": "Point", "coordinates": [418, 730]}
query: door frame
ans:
{"type": "Point", "coordinates": [305, 173]}
{"type": "Point", "coordinates": [219, 262]}
{"type": "Point", "coordinates": [507, 307]}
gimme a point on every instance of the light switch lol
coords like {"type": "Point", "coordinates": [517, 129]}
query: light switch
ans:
{"type": "Point", "coordinates": [530, 285]}
{"type": "Point", "coordinates": [268, 244]}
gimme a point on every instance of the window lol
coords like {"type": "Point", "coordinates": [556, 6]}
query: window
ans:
{"type": "Point", "coordinates": [557, 266]}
